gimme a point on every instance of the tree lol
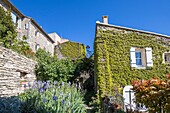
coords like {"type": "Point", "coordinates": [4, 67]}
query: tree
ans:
{"type": "Point", "coordinates": [7, 29]}
{"type": "Point", "coordinates": [8, 34]}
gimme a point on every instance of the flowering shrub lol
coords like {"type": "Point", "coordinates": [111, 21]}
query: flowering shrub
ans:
{"type": "Point", "coordinates": [154, 94]}
{"type": "Point", "coordinates": [45, 97]}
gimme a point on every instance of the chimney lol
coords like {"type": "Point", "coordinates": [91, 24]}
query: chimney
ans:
{"type": "Point", "coordinates": [105, 19]}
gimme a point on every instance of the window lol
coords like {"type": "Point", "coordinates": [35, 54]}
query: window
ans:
{"type": "Point", "coordinates": [26, 26]}
{"type": "Point", "coordinates": [36, 33]}
{"type": "Point", "coordinates": [141, 57]}
{"type": "Point", "coordinates": [37, 46]}
{"type": "Point", "coordinates": [167, 57]}
{"type": "Point", "coordinates": [138, 58]}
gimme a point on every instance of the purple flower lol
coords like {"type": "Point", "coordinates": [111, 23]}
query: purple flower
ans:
{"type": "Point", "coordinates": [35, 85]}
{"type": "Point", "coordinates": [40, 90]}
{"type": "Point", "coordinates": [39, 82]}
{"type": "Point", "coordinates": [44, 99]}
{"type": "Point", "coordinates": [63, 101]}
{"type": "Point", "coordinates": [45, 83]}
{"type": "Point", "coordinates": [29, 85]}
{"type": "Point", "coordinates": [54, 97]}
{"type": "Point", "coordinates": [48, 85]}
{"type": "Point", "coordinates": [25, 85]}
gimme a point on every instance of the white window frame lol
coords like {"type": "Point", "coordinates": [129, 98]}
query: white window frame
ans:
{"type": "Point", "coordinates": [164, 57]}
{"type": "Point", "coordinates": [146, 57]}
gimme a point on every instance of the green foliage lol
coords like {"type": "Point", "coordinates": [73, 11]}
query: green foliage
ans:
{"type": "Point", "coordinates": [10, 105]}
{"type": "Point", "coordinates": [53, 98]}
{"type": "Point", "coordinates": [50, 68]}
{"type": "Point", "coordinates": [8, 34]}
{"type": "Point", "coordinates": [85, 71]}
{"type": "Point", "coordinates": [73, 50]}
{"type": "Point", "coordinates": [7, 28]}
{"type": "Point", "coordinates": [21, 46]}
{"type": "Point", "coordinates": [112, 58]}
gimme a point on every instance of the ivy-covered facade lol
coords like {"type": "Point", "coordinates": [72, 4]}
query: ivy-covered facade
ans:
{"type": "Point", "coordinates": [124, 54]}
{"type": "Point", "coordinates": [71, 50]}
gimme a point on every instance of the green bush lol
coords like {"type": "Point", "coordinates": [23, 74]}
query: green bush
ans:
{"type": "Point", "coordinates": [10, 105]}
{"type": "Point", "coordinates": [50, 68]}
{"type": "Point", "coordinates": [45, 97]}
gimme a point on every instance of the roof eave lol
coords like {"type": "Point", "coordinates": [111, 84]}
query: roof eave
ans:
{"type": "Point", "coordinates": [131, 29]}
{"type": "Point", "coordinates": [13, 8]}
{"type": "Point", "coordinates": [35, 23]}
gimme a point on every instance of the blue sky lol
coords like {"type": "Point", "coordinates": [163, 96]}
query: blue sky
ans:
{"type": "Point", "coordinates": [75, 19]}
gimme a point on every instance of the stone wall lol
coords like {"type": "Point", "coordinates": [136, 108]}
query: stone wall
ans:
{"type": "Point", "coordinates": [15, 71]}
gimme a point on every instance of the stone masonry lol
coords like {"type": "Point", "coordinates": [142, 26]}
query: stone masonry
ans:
{"type": "Point", "coordinates": [15, 71]}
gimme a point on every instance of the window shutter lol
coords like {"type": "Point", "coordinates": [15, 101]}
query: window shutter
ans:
{"type": "Point", "coordinates": [132, 57]}
{"type": "Point", "coordinates": [149, 61]}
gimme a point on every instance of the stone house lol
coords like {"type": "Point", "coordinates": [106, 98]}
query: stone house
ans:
{"type": "Point", "coordinates": [57, 39]}
{"type": "Point", "coordinates": [124, 54]}
{"type": "Point", "coordinates": [37, 37]}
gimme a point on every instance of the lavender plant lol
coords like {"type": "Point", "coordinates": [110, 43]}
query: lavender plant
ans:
{"type": "Point", "coordinates": [48, 97]}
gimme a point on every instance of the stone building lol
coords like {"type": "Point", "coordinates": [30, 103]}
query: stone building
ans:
{"type": "Point", "coordinates": [57, 39]}
{"type": "Point", "coordinates": [124, 54]}
{"type": "Point", "coordinates": [36, 36]}
{"type": "Point", "coordinates": [15, 71]}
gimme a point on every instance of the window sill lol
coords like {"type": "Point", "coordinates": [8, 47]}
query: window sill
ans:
{"type": "Point", "coordinates": [140, 67]}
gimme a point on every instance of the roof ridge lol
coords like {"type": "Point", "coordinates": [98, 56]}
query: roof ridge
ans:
{"type": "Point", "coordinates": [133, 29]}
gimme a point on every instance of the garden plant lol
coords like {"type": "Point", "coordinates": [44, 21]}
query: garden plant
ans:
{"type": "Point", "coordinates": [154, 94]}
{"type": "Point", "coordinates": [52, 97]}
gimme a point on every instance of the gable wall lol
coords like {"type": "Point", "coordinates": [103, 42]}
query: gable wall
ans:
{"type": "Point", "coordinates": [112, 57]}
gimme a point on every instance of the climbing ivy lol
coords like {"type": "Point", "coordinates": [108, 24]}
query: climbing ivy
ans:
{"type": "Point", "coordinates": [73, 50]}
{"type": "Point", "coordinates": [112, 58]}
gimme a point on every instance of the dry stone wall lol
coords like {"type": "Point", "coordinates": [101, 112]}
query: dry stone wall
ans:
{"type": "Point", "coordinates": [15, 71]}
